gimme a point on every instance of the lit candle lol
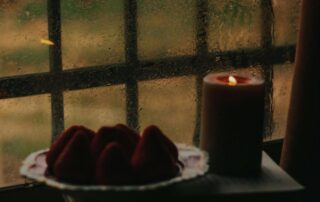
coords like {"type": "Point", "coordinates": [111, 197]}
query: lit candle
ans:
{"type": "Point", "coordinates": [232, 123]}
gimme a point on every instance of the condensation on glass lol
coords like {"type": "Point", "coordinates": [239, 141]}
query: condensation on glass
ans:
{"type": "Point", "coordinates": [95, 107]}
{"type": "Point", "coordinates": [171, 105]}
{"type": "Point", "coordinates": [252, 70]}
{"type": "Point", "coordinates": [92, 32]}
{"type": "Point", "coordinates": [25, 127]}
{"type": "Point", "coordinates": [286, 21]}
{"type": "Point", "coordinates": [282, 82]}
{"type": "Point", "coordinates": [234, 24]}
{"type": "Point", "coordinates": [166, 28]}
{"type": "Point", "coordinates": [23, 24]}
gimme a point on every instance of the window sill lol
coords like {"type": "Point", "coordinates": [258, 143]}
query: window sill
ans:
{"type": "Point", "coordinates": [273, 184]}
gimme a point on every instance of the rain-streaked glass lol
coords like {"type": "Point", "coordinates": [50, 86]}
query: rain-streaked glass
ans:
{"type": "Point", "coordinates": [286, 21]}
{"type": "Point", "coordinates": [282, 82]}
{"type": "Point", "coordinates": [166, 28]}
{"type": "Point", "coordinates": [234, 24]}
{"type": "Point", "coordinates": [92, 32]}
{"type": "Point", "coordinates": [23, 24]}
{"type": "Point", "coordinates": [25, 128]}
{"type": "Point", "coordinates": [95, 107]}
{"type": "Point", "coordinates": [169, 104]}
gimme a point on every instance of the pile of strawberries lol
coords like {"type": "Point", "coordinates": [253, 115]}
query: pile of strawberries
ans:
{"type": "Point", "coordinates": [113, 156]}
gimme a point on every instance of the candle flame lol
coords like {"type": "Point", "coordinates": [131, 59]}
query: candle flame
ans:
{"type": "Point", "coordinates": [232, 81]}
{"type": "Point", "coordinates": [46, 42]}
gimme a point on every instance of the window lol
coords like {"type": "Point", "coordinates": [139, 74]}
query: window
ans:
{"type": "Point", "coordinates": [133, 61]}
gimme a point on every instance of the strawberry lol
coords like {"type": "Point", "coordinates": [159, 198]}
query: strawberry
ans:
{"type": "Point", "coordinates": [106, 135]}
{"type": "Point", "coordinates": [171, 146]}
{"type": "Point", "coordinates": [58, 146]}
{"type": "Point", "coordinates": [152, 160]}
{"type": "Point", "coordinates": [131, 133]}
{"type": "Point", "coordinates": [113, 166]}
{"type": "Point", "coordinates": [75, 164]}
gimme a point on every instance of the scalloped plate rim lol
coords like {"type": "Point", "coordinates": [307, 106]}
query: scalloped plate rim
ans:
{"type": "Point", "coordinates": [24, 171]}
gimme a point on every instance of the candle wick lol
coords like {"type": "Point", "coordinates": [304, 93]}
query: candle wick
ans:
{"type": "Point", "coordinates": [232, 81]}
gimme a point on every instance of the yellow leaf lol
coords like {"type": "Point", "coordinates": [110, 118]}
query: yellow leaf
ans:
{"type": "Point", "coordinates": [46, 42]}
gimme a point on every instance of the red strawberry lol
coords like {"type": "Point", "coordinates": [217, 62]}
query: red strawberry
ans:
{"type": "Point", "coordinates": [152, 160]}
{"type": "Point", "coordinates": [106, 135]}
{"type": "Point", "coordinates": [113, 166]}
{"type": "Point", "coordinates": [131, 133]}
{"type": "Point", "coordinates": [58, 146]}
{"type": "Point", "coordinates": [75, 164]}
{"type": "Point", "coordinates": [171, 146]}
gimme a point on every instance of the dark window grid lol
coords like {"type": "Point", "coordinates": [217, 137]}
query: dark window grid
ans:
{"type": "Point", "coordinates": [57, 80]}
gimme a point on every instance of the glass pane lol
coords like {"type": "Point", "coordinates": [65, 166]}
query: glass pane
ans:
{"type": "Point", "coordinates": [23, 24]}
{"type": "Point", "coordinates": [26, 127]}
{"type": "Point", "coordinates": [166, 28]}
{"type": "Point", "coordinates": [253, 70]}
{"type": "Point", "coordinates": [286, 14]}
{"type": "Point", "coordinates": [95, 107]}
{"type": "Point", "coordinates": [169, 104]}
{"type": "Point", "coordinates": [234, 24]}
{"type": "Point", "coordinates": [92, 32]}
{"type": "Point", "coordinates": [282, 82]}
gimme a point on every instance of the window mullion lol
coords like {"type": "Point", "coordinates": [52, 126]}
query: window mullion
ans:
{"type": "Point", "coordinates": [114, 74]}
{"type": "Point", "coordinates": [54, 31]}
{"type": "Point", "coordinates": [267, 22]}
{"type": "Point", "coordinates": [131, 55]}
{"type": "Point", "coordinates": [202, 57]}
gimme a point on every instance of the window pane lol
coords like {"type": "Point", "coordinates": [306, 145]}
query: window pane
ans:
{"type": "Point", "coordinates": [281, 94]}
{"type": "Point", "coordinates": [169, 104]}
{"type": "Point", "coordinates": [26, 127]}
{"type": "Point", "coordinates": [253, 70]}
{"type": "Point", "coordinates": [23, 24]}
{"type": "Point", "coordinates": [92, 32]}
{"type": "Point", "coordinates": [95, 107]}
{"type": "Point", "coordinates": [166, 28]}
{"type": "Point", "coordinates": [286, 21]}
{"type": "Point", "coordinates": [234, 24]}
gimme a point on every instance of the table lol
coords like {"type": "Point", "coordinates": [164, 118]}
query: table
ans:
{"type": "Point", "coordinates": [273, 184]}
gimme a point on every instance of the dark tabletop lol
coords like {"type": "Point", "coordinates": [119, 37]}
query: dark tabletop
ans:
{"type": "Point", "coordinates": [273, 184]}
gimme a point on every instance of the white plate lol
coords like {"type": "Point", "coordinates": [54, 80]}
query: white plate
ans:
{"type": "Point", "coordinates": [195, 164]}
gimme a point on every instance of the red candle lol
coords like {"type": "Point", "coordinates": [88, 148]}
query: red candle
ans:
{"type": "Point", "coordinates": [232, 123]}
